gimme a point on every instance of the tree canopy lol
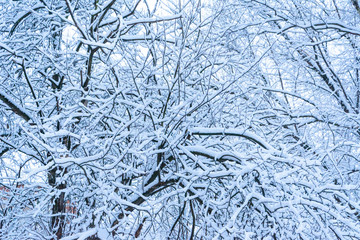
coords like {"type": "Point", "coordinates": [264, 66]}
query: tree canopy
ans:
{"type": "Point", "coordinates": [179, 119]}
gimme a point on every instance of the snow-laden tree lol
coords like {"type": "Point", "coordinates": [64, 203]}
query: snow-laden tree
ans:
{"type": "Point", "coordinates": [186, 119]}
{"type": "Point", "coordinates": [307, 107]}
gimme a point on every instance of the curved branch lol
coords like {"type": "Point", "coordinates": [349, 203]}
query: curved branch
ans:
{"type": "Point", "coordinates": [232, 132]}
{"type": "Point", "coordinates": [20, 19]}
